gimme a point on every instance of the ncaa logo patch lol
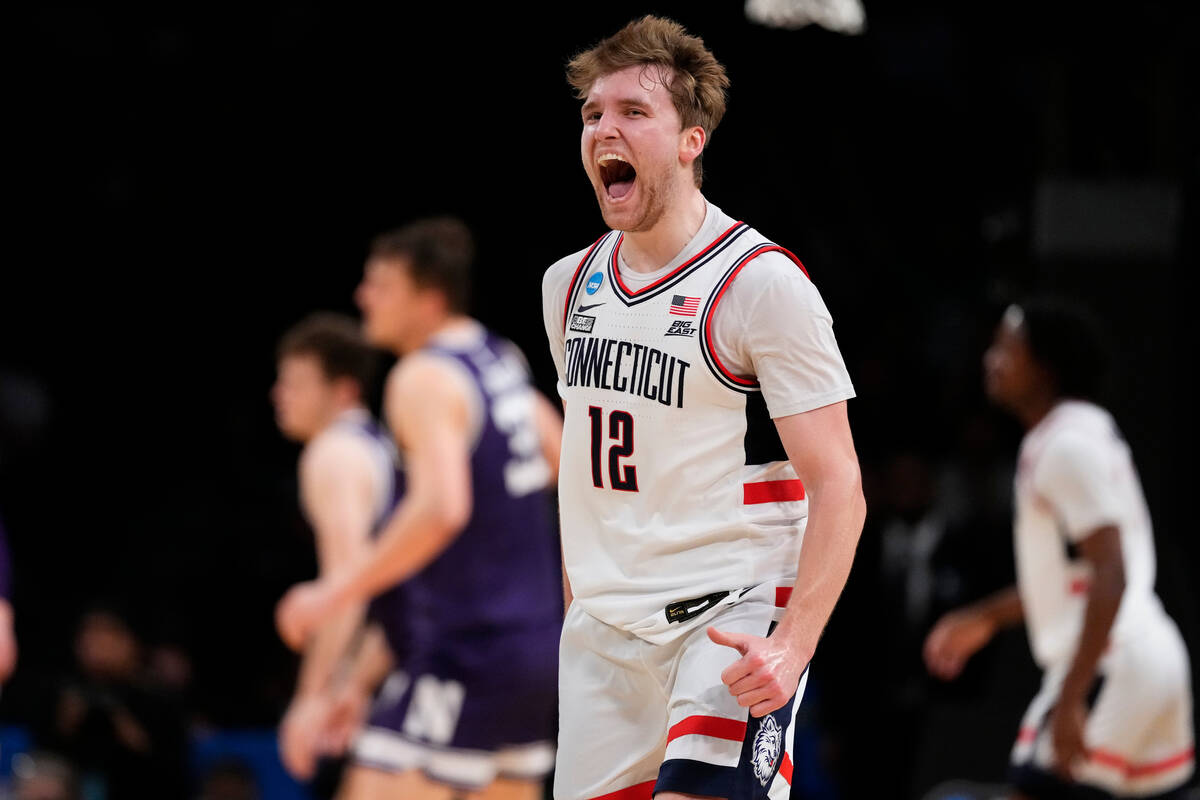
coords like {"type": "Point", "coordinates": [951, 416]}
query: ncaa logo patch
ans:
{"type": "Point", "coordinates": [594, 282]}
{"type": "Point", "coordinates": [765, 754]}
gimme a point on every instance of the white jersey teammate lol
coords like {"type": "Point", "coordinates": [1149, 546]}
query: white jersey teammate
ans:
{"type": "Point", "coordinates": [684, 508]}
{"type": "Point", "coordinates": [1114, 715]}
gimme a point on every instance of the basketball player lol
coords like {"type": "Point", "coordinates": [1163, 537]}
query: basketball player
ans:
{"type": "Point", "coordinates": [688, 517]}
{"type": "Point", "coordinates": [1113, 716]}
{"type": "Point", "coordinates": [347, 488]}
{"type": "Point", "coordinates": [471, 539]}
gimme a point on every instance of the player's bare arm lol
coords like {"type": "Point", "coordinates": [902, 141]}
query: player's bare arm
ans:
{"type": "Point", "coordinates": [337, 495]}
{"type": "Point", "coordinates": [961, 633]}
{"type": "Point", "coordinates": [428, 411]}
{"type": "Point", "coordinates": [1102, 550]}
{"type": "Point", "coordinates": [361, 671]}
{"type": "Point", "coordinates": [549, 427]}
{"type": "Point", "coordinates": [821, 450]}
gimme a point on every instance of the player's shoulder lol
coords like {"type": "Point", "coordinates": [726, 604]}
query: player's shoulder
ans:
{"type": "Point", "coordinates": [334, 448]}
{"type": "Point", "coordinates": [777, 275]}
{"type": "Point", "coordinates": [1080, 437]}
{"type": "Point", "coordinates": [421, 371]}
{"type": "Point", "coordinates": [559, 274]}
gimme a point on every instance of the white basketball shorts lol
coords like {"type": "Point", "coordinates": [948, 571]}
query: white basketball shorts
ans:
{"type": "Point", "coordinates": [1138, 732]}
{"type": "Point", "coordinates": [637, 718]}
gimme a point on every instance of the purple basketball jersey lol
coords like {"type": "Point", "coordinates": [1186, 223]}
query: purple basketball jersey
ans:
{"type": "Point", "coordinates": [485, 614]}
{"type": "Point", "coordinates": [502, 571]}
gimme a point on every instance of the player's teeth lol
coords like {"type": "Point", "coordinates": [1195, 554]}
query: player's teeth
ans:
{"type": "Point", "coordinates": [604, 159]}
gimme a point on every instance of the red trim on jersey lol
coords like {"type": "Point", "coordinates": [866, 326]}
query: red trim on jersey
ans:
{"type": "Point", "coordinates": [782, 595]}
{"type": "Point", "coordinates": [1110, 759]}
{"type": "Point", "coordinates": [616, 271]}
{"type": "Point", "coordinates": [785, 769]}
{"type": "Point", "coordinates": [642, 791]}
{"type": "Point", "coordinates": [1079, 586]}
{"type": "Point", "coordinates": [575, 277]}
{"type": "Point", "coordinates": [1027, 735]}
{"type": "Point", "coordinates": [715, 727]}
{"type": "Point", "coordinates": [772, 491]}
{"type": "Point", "coordinates": [712, 311]}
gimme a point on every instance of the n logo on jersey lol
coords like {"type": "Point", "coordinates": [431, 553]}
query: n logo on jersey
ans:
{"type": "Point", "coordinates": [680, 327]}
{"type": "Point", "coordinates": [593, 283]}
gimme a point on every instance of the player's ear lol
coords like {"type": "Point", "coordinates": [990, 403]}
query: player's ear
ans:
{"type": "Point", "coordinates": [691, 143]}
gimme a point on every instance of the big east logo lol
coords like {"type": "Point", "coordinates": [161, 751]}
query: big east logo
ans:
{"type": "Point", "coordinates": [680, 327]}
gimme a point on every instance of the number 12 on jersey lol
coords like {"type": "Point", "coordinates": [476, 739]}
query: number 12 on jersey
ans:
{"type": "Point", "coordinates": [622, 477]}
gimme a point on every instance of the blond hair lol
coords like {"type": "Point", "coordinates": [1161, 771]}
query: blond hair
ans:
{"type": "Point", "coordinates": [698, 81]}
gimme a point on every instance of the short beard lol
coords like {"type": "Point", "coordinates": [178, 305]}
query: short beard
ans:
{"type": "Point", "coordinates": [655, 206]}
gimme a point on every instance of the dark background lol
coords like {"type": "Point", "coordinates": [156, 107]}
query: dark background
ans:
{"type": "Point", "coordinates": [185, 182]}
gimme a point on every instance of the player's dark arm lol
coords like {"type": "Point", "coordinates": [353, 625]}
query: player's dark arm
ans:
{"type": "Point", "coordinates": [1101, 549]}
{"type": "Point", "coordinates": [959, 634]}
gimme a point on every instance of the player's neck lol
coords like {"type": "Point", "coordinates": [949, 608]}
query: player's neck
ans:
{"type": "Point", "coordinates": [653, 249]}
{"type": "Point", "coordinates": [337, 412]}
{"type": "Point", "coordinates": [449, 326]}
{"type": "Point", "coordinates": [1035, 408]}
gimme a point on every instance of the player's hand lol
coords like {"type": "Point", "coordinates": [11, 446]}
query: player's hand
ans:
{"type": "Point", "coordinates": [1066, 732]}
{"type": "Point", "coordinates": [766, 676]}
{"type": "Point", "coordinates": [300, 731]}
{"type": "Point", "coordinates": [954, 639]}
{"type": "Point", "coordinates": [302, 609]}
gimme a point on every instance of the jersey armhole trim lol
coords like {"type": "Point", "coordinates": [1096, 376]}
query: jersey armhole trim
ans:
{"type": "Point", "coordinates": [573, 287]}
{"type": "Point", "coordinates": [706, 344]}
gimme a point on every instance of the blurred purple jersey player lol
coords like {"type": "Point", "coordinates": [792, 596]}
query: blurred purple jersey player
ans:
{"type": "Point", "coordinates": [472, 540]}
{"type": "Point", "coordinates": [348, 488]}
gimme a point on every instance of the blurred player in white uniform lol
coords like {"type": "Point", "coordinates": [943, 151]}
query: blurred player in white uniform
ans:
{"type": "Point", "coordinates": [1114, 715]}
{"type": "Point", "coordinates": [347, 486]}
{"type": "Point", "coordinates": [707, 473]}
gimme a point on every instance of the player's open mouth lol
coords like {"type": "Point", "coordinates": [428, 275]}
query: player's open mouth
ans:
{"type": "Point", "coordinates": [617, 174]}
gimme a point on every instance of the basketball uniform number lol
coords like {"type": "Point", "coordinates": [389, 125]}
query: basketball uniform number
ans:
{"type": "Point", "coordinates": [620, 430]}
{"type": "Point", "coordinates": [526, 470]}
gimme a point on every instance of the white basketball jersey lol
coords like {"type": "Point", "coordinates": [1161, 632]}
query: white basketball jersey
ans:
{"type": "Point", "coordinates": [660, 500]}
{"type": "Point", "coordinates": [1075, 474]}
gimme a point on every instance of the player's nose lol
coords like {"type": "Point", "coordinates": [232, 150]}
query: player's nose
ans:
{"type": "Point", "coordinates": [607, 127]}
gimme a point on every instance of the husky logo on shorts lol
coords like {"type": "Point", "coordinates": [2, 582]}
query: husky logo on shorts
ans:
{"type": "Point", "coordinates": [767, 743]}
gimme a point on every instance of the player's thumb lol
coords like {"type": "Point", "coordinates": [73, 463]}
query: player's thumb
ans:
{"type": "Point", "coordinates": [735, 640]}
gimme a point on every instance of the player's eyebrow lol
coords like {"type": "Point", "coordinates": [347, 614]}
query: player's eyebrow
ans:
{"type": "Point", "coordinates": [624, 102]}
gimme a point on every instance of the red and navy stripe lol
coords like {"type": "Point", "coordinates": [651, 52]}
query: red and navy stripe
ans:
{"type": "Point", "coordinates": [722, 374]}
{"type": "Point", "coordinates": [666, 282]}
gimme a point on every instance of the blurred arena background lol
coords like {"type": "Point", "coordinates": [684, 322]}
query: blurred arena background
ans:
{"type": "Point", "coordinates": [187, 180]}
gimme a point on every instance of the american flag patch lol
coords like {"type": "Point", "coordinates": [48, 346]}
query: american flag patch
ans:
{"type": "Point", "coordinates": [685, 306]}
